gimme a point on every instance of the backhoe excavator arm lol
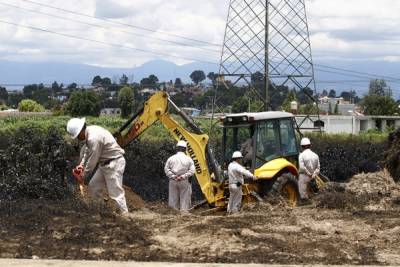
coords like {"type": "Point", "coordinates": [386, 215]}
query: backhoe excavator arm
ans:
{"type": "Point", "coordinates": [156, 109]}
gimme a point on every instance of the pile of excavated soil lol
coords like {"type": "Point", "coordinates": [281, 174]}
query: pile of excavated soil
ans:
{"type": "Point", "coordinates": [380, 183]}
{"type": "Point", "coordinates": [376, 191]}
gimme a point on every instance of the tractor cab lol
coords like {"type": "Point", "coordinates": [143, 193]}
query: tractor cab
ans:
{"type": "Point", "coordinates": [261, 137]}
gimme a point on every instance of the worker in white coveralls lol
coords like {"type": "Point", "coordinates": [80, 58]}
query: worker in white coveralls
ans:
{"type": "Point", "coordinates": [102, 150]}
{"type": "Point", "coordinates": [236, 173]}
{"type": "Point", "coordinates": [179, 168]}
{"type": "Point", "coordinates": [309, 168]}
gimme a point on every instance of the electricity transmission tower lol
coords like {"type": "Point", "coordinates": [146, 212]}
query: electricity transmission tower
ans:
{"type": "Point", "coordinates": [269, 38]}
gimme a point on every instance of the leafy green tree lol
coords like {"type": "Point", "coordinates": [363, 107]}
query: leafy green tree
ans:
{"type": "Point", "coordinates": [52, 103]}
{"type": "Point", "coordinates": [379, 87]}
{"type": "Point", "coordinates": [37, 92]}
{"type": "Point", "coordinates": [84, 103]}
{"type": "Point", "coordinates": [198, 76]}
{"type": "Point", "coordinates": [304, 96]}
{"type": "Point", "coordinates": [29, 105]}
{"type": "Point", "coordinates": [332, 94]}
{"type": "Point", "coordinates": [240, 105]}
{"type": "Point", "coordinates": [106, 81]}
{"type": "Point", "coordinates": [150, 81]}
{"type": "Point", "coordinates": [153, 79]}
{"type": "Point", "coordinates": [123, 80]}
{"type": "Point", "coordinates": [178, 83]}
{"type": "Point", "coordinates": [97, 80]}
{"type": "Point", "coordinates": [72, 86]}
{"type": "Point", "coordinates": [179, 99]}
{"type": "Point", "coordinates": [350, 96]}
{"type": "Point", "coordinates": [212, 77]}
{"type": "Point", "coordinates": [56, 88]}
{"type": "Point", "coordinates": [14, 99]}
{"type": "Point", "coordinates": [125, 100]}
{"type": "Point", "coordinates": [3, 95]}
{"type": "Point", "coordinates": [379, 105]}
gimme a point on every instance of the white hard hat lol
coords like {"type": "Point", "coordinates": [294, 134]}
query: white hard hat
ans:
{"type": "Point", "coordinates": [305, 142]}
{"type": "Point", "coordinates": [74, 126]}
{"type": "Point", "coordinates": [237, 154]}
{"type": "Point", "coordinates": [181, 144]}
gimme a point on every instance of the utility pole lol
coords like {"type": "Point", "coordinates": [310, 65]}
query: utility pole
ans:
{"type": "Point", "coordinates": [266, 60]}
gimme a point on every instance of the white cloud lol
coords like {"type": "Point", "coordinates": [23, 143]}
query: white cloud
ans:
{"type": "Point", "coordinates": [340, 29]}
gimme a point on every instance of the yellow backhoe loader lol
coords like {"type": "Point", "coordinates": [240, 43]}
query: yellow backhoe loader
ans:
{"type": "Point", "coordinates": [267, 140]}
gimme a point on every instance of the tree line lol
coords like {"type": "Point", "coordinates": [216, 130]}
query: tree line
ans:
{"type": "Point", "coordinates": [126, 95]}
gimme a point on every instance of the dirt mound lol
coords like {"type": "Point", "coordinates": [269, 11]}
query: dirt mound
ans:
{"type": "Point", "coordinates": [380, 183]}
{"type": "Point", "coordinates": [133, 200]}
{"type": "Point", "coordinates": [375, 191]}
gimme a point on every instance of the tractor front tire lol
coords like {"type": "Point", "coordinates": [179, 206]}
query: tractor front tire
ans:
{"type": "Point", "coordinates": [286, 186]}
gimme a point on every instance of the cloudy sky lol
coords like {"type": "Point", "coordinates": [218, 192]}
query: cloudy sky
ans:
{"type": "Point", "coordinates": [340, 29]}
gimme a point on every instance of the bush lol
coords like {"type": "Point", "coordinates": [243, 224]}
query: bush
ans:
{"type": "Point", "coordinates": [343, 156]}
{"type": "Point", "coordinates": [33, 165]}
{"type": "Point", "coordinates": [28, 105]}
{"type": "Point", "coordinates": [84, 103]}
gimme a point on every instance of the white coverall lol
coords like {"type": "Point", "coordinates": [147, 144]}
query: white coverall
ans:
{"type": "Point", "coordinates": [179, 168]}
{"type": "Point", "coordinates": [236, 173]}
{"type": "Point", "coordinates": [309, 168]}
{"type": "Point", "coordinates": [102, 149]}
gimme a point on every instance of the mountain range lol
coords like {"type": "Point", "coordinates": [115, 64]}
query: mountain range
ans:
{"type": "Point", "coordinates": [13, 75]}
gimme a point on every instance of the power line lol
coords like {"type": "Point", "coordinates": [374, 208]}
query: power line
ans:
{"type": "Point", "coordinates": [392, 79]}
{"type": "Point", "coordinates": [108, 28]}
{"type": "Point", "coordinates": [350, 75]}
{"type": "Point", "coordinates": [105, 43]}
{"type": "Point", "coordinates": [120, 23]}
{"type": "Point", "coordinates": [359, 72]}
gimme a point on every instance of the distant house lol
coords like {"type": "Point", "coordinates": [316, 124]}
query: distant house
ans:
{"type": "Point", "coordinates": [99, 89]}
{"type": "Point", "coordinates": [61, 98]}
{"type": "Point", "coordinates": [147, 91]}
{"type": "Point", "coordinates": [193, 112]}
{"type": "Point", "coordinates": [194, 90]}
{"type": "Point", "coordinates": [338, 105]}
{"type": "Point", "coordinates": [110, 111]}
{"type": "Point", "coordinates": [354, 124]}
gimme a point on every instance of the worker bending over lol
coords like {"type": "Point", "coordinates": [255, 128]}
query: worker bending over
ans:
{"type": "Point", "coordinates": [309, 168]}
{"type": "Point", "coordinates": [236, 173]}
{"type": "Point", "coordinates": [179, 168]}
{"type": "Point", "coordinates": [102, 150]}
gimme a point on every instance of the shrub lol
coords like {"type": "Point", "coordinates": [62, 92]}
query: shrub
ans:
{"type": "Point", "coordinates": [84, 103]}
{"type": "Point", "coordinates": [28, 105]}
{"type": "Point", "coordinates": [33, 165]}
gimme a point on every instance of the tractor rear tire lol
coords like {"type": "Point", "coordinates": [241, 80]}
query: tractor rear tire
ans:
{"type": "Point", "coordinates": [286, 186]}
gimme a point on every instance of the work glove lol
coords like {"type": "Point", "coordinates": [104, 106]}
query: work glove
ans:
{"type": "Point", "coordinates": [78, 173]}
{"type": "Point", "coordinates": [239, 184]}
